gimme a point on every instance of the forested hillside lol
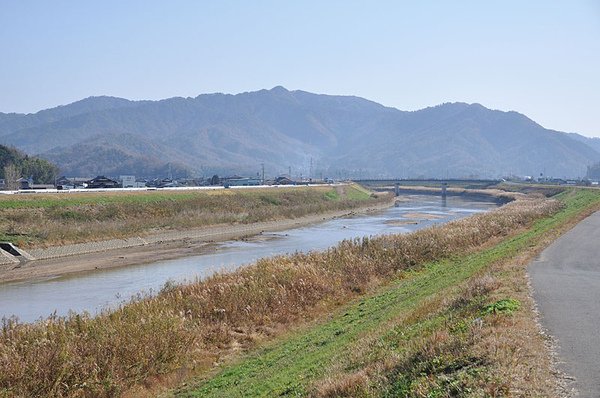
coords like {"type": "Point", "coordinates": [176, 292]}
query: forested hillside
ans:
{"type": "Point", "coordinates": [309, 134]}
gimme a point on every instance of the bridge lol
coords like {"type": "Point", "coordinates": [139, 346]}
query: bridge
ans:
{"type": "Point", "coordinates": [428, 182]}
{"type": "Point", "coordinates": [424, 185]}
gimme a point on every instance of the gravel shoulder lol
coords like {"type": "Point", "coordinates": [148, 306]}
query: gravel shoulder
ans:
{"type": "Point", "coordinates": [566, 283]}
{"type": "Point", "coordinates": [69, 259]}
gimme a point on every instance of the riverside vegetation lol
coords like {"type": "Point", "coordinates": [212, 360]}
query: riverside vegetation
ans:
{"type": "Point", "coordinates": [434, 313]}
{"type": "Point", "coordinates": [55, 219]}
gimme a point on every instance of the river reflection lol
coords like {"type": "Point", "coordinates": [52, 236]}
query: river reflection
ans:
{"type": "Point", "coordinates": [96, 290]}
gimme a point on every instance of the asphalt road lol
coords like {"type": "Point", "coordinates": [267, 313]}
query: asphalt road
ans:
{"type": "Point", "coordinates": [566, 283]}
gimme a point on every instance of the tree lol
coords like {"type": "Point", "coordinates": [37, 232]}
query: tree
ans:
{"type": "Point", "coordinates": [214, 180]}
{"type": "Point", "coordinates": [42, 171]}
{"type": "Point", "coordinates": [11, 175]}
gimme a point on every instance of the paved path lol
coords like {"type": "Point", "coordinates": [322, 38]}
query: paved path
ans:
{"type": "Point", "coordinates": [566, 283]}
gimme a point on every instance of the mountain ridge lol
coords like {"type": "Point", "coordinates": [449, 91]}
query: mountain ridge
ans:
{"type": "Point", "coordinates": [341, 136]}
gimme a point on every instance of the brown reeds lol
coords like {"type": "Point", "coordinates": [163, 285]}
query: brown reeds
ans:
{"type": "Point", "coordinates": [102, 356]}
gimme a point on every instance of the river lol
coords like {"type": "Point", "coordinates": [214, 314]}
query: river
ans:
{"type": "Point", "coordinates": [96, 290]}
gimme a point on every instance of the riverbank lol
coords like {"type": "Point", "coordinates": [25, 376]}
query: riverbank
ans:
{"type": "Point", "coordinates": [39, 221]}
{"type": "Point", "coordinates": [460, 326]}
{"type": "Point", "coordinates": [192, 327]}
{"type": "Point", "coordinates": [77, 258]}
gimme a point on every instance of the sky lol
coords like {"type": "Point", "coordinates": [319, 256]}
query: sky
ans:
{"type": "Point", "coordinates": [540, 58]}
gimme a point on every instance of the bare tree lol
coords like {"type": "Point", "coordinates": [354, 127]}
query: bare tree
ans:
{"type": "Point", "coordinates": [11, 175]}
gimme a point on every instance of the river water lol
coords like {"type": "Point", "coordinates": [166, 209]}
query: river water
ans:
{"type": "Point", "coordinates": [96, 290]}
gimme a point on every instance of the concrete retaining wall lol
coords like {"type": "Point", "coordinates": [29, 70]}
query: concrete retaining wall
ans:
{"type": "Point", "coordinates": [204, 234]}
{"type": "Point", "coordinates": [85, 248]}
{"type": "Point", "coordinates": [7, 259]}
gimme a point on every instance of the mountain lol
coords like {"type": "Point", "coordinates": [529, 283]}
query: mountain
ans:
{"type": "Point", "coordinates": [10, 122]}
{"type": "Point", "coordinates": [593, 142]}
{"type": "Point", "coordinates": [309, 133]}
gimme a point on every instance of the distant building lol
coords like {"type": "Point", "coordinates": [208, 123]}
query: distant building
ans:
{"type": "Point", "coordinates": [140, 184]}
{"type": "Point", "coordinates": [237, 181]}
{"type": "Point", "coordinates": [127, 181]}
{"type": "Point", "coordinates": [167, 183]}
{"type": "Point", "coordinates": [102, 182]}
{"type": "Point", "coordinates": [283, 180]}
{"type": "Point", "coordinates": [24, 183]}
{"type": "Point", "coordinates": [71, 183]}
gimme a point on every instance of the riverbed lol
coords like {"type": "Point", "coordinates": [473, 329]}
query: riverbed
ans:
{"type": "Point", "coordinates": [97, 290]}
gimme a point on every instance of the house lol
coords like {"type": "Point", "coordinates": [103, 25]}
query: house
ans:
{"type": "Point", "coordinates": [189, 182]}
{"type": "Point", "coordinates": [167, 183]}
{"type": "Point", "coordinates": [102, 182]}
{"type": "Point", "coordinates": [63, 181]}
{"type": "Point", "coordinates": [70, 183]}
{"type": "Point", "coordinates": [24, 183]}
{"type": "Point", "coordinates": [283, 180]}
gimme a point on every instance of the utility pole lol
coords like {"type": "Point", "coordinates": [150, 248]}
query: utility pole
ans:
{"type": "Point", "coordinates": [262, 165]}
{"type": "Point", "coordinates": [311, 167]}
{"type": "Point", "coordinates": [290, 172]}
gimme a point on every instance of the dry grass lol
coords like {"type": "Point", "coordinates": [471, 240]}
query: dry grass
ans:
{"type": "Point", "coordinates": [193, 324]}
{"type": "Point", "coordinates": [426, 344]}
{"type": "Point", "coordinates": [450, 350]}
{"type": "Point", "coordinates": [456, 345]}
{"type": "Point", "coordinates": [49, 220]}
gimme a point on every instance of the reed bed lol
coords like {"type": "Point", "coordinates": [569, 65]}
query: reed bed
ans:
{"type": "Point", "coordinates": [49, 220]}
{"type": "Point", "coordinates": [184, 326]}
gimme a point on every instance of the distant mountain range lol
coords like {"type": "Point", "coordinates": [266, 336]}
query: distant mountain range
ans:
{"type": "Point", "coordinates": [309, 134]}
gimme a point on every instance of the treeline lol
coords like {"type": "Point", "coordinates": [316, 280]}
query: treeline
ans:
{"type": "Point", "coordinates": [18, 164]}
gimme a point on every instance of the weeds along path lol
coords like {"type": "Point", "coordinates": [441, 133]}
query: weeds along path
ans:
{"type": "Point", "coordinates": [455, 327]}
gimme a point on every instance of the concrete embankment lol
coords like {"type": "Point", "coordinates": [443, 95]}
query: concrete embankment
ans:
{"type": "Point", "coordinates": [7, 259]}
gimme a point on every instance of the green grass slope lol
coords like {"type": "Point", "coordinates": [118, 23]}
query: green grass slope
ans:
{"type": "Point", "coordinates": [388, 344]}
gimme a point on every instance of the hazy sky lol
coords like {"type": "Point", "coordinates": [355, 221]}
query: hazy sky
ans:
{"type": "Point", "coordinates": [541, 58]}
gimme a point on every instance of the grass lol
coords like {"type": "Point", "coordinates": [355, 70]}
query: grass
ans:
{"type": "Point", "coordinates": [289, 369]}
{"type": "Point", "coordinates": [197, 324]}
{"type": "Point", "coordinates": [420, 336]}
{"type": "Point", "coordinates": [400, 315]}
{"type": "Point", "coordinates": [46, 220]}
